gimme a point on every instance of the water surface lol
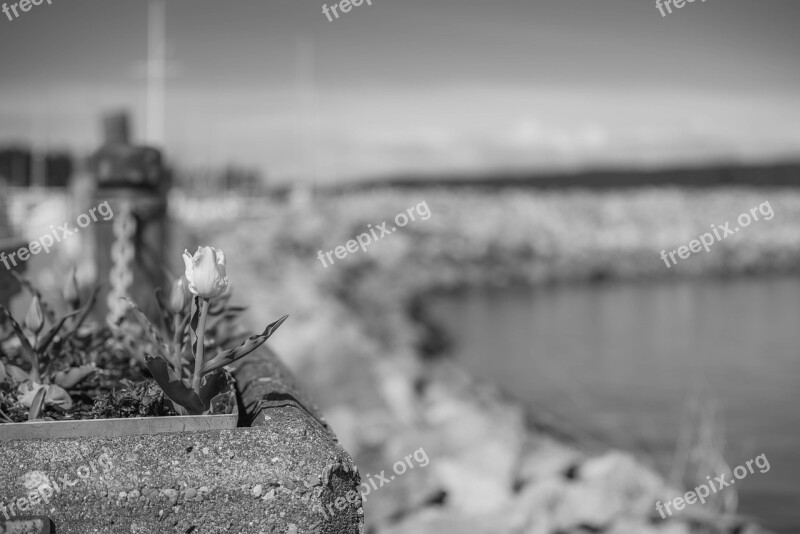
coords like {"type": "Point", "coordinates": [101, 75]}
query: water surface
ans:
{"type": "Point", "coordinates": [623, 361]}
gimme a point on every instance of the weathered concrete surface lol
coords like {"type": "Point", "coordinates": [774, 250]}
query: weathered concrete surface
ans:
{"type": "Point", "coordinates": [285, 473]}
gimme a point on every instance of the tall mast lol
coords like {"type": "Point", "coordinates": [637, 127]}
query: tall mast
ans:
{"type": "Point", "coordinates": [156, 72]}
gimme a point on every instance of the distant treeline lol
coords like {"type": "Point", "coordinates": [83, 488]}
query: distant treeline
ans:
{"type": "Point", "coordinates": [783, 175]}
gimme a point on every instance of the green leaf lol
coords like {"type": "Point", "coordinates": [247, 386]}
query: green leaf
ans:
{"type": "Point", "coordinates": [181, 394]}
{"type": "Point", "coordinates": [194, 324]}
{"type": "Point", "coordinates": [16, 374]}
{"type": "Point", "coordinates": [51, 334]}
{"type": "Point", "coordinates": [54, 395]}
{"type": "Point", "coordinates": [220, 304]}
{"type": "Point", "coordinates": [172, 386]}
{"type": "Point", "coordinates": [149, 328]}
{"type": "Point", "coordinates": [24, 282]}
{"type": "Point", "coordinates": [166, 315]}
{"type": "Point", "coordinates": [87, 308]}
{"type": "Point", "coordinates": [249, 345]}
{"type": "Point", "coordinates": [27, 349]}
{"type": "Point", "coordinates": [211, 387]}
{"type": "Point", "coordinates": [36, 405]}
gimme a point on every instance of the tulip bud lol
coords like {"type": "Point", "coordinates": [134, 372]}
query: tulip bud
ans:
{"type": "Point", "coordinates": [72, 294]}
{"type": "Point", "coordinates": [180, 297]}
{"type": "Point", "coordinates": [34, 320]}
{"type": "Point", "coordinates": [205, 272]}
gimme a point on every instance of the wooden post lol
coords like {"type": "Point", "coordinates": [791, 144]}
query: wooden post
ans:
{"type": "Point", "coordinates": [130, 248]}
{"type": "Point", "coordinates": [8, 243]}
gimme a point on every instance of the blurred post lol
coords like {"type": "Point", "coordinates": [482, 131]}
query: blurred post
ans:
{"type": "Point", "coordinates": [9, 242]}
{"type": "Point", "coordinates": [130, 249]}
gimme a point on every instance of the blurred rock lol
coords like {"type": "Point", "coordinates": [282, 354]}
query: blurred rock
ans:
{"type": "Point", "coordinates": [352, 340]}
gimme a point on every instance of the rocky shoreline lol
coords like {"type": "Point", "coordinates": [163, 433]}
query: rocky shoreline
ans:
{"type": "Point", "coordinates": [356, 345]}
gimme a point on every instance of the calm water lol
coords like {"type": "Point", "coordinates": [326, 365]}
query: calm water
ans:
{"type": "Point", "coordinates": [623, 361]}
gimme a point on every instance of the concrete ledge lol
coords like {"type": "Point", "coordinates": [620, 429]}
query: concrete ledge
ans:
{"type": "Point", "coordinates": [286, 473]}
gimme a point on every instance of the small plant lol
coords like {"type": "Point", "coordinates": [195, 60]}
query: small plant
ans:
{"type": "Point", "coordinates": [58, 368]}
{"type": "Point", "coordinates": [48, 353]}
{"type": "Point", "coordinates": [196, 388]}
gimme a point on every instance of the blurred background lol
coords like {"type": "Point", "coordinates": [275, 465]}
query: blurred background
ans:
{"type": "Point", "coordinates": [527, 335]}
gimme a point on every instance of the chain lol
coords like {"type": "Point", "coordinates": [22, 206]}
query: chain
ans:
{"type": "Point", "coordinates": [122, 255]}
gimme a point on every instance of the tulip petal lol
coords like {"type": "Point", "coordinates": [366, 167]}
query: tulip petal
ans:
{"type": "Point", "coordinates": [34, 319]}
{"type": "Point", "coordinates": [205, 272]}
{"type": "Point", "coordinates": [221, 263]}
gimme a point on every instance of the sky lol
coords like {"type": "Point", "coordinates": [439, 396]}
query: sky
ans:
{"type": "Point", "coordinates": [416, 86]}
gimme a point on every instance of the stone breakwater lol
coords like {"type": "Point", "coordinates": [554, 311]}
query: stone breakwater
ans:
{"type": "Point", "coordinates": [356, 345]}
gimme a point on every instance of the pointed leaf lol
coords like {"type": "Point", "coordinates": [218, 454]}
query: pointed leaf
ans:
{"type": "Point", "coordinates": [194, 324]}
{"type": "Point", "coordinates": [51, 334]}
{"type": "Point", "coordinates": [172, 386]}
{"type": "Point", "coordinates": [222, 398]}
{"type": "Point", "coordinates": [212, 385]}
{"type": "Point", "coordinates": [73, 376]}
{"type": "Point", "coordinates": [54, 395]}
{"type": "Point", "coordinates": [27, 349]}
{"type": "Point", "coordinates": [180, 410]}
{"type": "Point", "coordinates": [166, 315]}
{"type": "Point", "coordinates": [24, 282]}
{"type": "Point", "coordinates": [86, 309]}
{"type": "Point", "coordinates": [16, 373]}
{"type": "Point", "coordinates": [182, 328]}
{"type": "Point", "coordinates": [37, 404]}
{"type": "Point", "coordinates": [149, 328]}
{"type": "Point", "coordinates": [219, 304]}
{"type": "Point", "coordinates": [214, 323]}
{"type": "Point", "coordinates": [57, 396]}
{"type": "Point", "coordinates": [249, 345]}
{"type": "Point", "coordinates": [218, 402]}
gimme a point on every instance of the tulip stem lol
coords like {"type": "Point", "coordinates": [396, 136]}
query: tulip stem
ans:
{"type": "Point", "coordinates": [35, 376]}
{"type": "Point", "coordinates": [177, 342]}
{"type": "Point", "coordinates": [200, 354]}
